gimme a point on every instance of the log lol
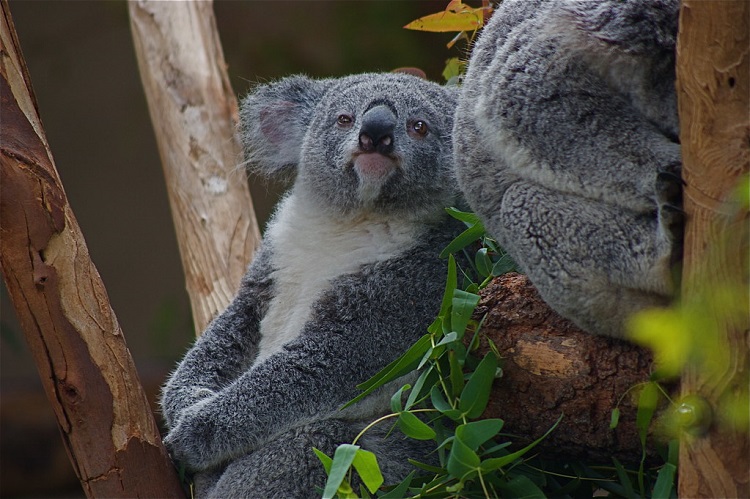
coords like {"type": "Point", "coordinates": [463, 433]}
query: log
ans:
{"type": "Point", "coordinates": [85, 367]}
{"type": "Point", "coordinates": [194, 113]}
{"type": "Point", "coordinates": [713, 86]}
{"type": "Point", "coordinates": [553, 368]}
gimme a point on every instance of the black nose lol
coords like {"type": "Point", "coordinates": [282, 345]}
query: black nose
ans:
{"type": "Point", "coordinates": [376, 134]}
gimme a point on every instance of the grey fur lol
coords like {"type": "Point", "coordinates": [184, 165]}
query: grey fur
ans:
{"type": "Point", "coordinates": [243, 413]}
{"type": "Point", "coordinates": [566, 145]}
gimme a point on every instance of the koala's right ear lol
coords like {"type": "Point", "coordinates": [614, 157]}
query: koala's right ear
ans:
{"type": "Point", "coordinates": [273, 121]}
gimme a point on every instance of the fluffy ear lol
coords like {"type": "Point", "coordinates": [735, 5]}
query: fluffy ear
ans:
{"type": "Point", "coordinates": [273, 121]}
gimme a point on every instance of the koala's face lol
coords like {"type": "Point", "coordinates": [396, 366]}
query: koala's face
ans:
{"type": "Point", "coordinates": [364, 143]}
{"type": "Point", "coordinates": [380, 142]}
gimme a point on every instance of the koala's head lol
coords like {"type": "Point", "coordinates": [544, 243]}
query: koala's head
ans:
{"type": "Point", "coordinates": [363, 143]}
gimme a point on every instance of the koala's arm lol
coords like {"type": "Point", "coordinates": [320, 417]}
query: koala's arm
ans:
{"type": "Point", "coordinates": [570, 108]}
{"type": "Point", "coordinates": [365, 321]}
{"type": "Point", "coordinates": [225, 349]}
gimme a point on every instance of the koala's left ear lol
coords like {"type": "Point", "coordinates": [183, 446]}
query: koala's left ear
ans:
{"type": "Point", "coordinates": [273, 121]}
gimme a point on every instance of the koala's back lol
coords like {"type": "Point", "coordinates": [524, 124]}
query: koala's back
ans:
{"type": "Point", "coordinates": [566, 145]}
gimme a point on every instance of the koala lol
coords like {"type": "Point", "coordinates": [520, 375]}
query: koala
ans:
{"type": "Point", "coordinates": [566, 146]}
{"type": "Point", "coordinates": [347, 278]}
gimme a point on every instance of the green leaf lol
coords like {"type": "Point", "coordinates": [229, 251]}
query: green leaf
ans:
{"type": "Point", "coordinates": [396, 398]}
{"type": "Point", "coordinates": [456, 375]}
{"type": "Point", "coordinates": [647, 402]}
{"type": "Point", "coordinates": [426, 379]}
{"type": "Point", "coordinates": [404, 364]}
{"type": "Point", "coordinates": [476, 433]}
{"type": "Point", "coordinates": [452, 68]}
{"type": "Point", "coordinates": [342, 460]}
{"type": "Point", "coordinates": [615, 418]}
{"type": "Point", "coordinates": [664, 481]}
{"type": "Point", "coordinates": [476, 393]}
{"type": "Point", "coordinates": [451, 283]}
{"type": "Point", "coordinates": [367, 467]}
{"type": "Point", "coordinates": [439, 403]}
{"type": "Point", "coordinates": [622, 475]}
{"type": "Point", "coordinates": [464, 304]}
{"type": "Point", "coordinates": [462, 460]}
{"type": "Point", "coordinates": [464, 239]}
{"type": "Point", "coordinates": [466, 217]}
{"type": "Point", "coordinates": [521, 487]}
{"type": "Point", "coordinates": [324, 459]}
{"type": "Point", "coordinates": [499, 462]}
{"type": "Point", "coordinates": [414, 427]}
{"type": "Point", "coordinates": [399, 491]}
{"type": "Point", "coordinates": [483, 262]}
{"type": "Point", "coordinates": [503, 265]}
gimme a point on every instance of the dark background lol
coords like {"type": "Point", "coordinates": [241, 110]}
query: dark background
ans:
{"type": "Point", "coordinates": [85, 77]}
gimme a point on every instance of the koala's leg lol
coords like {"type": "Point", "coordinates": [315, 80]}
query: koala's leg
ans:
{"type": "Point", "coordinates": [593, 262]}
{"type": "Point", "coordinates": [286, 467]}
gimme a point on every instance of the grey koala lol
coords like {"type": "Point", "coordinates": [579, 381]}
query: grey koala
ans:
{"type": "Point", "coordinates": [566, 146]}
{"type": "Point", "coordinates": [347, 278]}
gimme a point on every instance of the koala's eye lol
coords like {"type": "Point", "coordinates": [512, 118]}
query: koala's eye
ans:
{"type": "Point", "coordinates": [419, 128]}
{"type": "Point", "coordinates": [344, 120]}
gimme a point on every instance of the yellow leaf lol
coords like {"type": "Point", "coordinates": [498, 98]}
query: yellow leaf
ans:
{"type": "Point", "coordinates": [455, 17]}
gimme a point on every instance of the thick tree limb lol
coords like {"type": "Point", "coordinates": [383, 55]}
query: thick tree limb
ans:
{"type": "Point", "coordinates": [85, 367]}
{"type": "Point", "coordinates": [552, 368]}
{"type": "Point", "coordinates": [194, 113]}
{"type": "Point", "coordinates": [713, 83]}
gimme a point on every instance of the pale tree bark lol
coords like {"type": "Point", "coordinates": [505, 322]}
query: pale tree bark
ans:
{"type": "Point", "coordinates": [713, 82]}
{"type": "Point", "coordinates": [85, 367]}
{"type": "Point", "coordinates": [194, 114]}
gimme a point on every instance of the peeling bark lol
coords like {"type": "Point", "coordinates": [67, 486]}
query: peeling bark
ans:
{"type": "Point", "coordinates": [86, 369]}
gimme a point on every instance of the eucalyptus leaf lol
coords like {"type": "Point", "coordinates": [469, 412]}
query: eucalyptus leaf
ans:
{"type": "Point", "coordinates": [467, 237]}
{"type": "Point", "coordinates": [483, 262]}
{"type": "Point", "coordinates": [463, 305]}
{"type": "Point", "coordinates": [467, 217]}
{"type": "Point", "coordinates": [399, 491]}
{"type": "Point", "coordinates": [404, 364]}
{"type": "Point", "coordinates": [476, 433]}
{"type": "Point", "coordinates": [665, 481]}
{"type": "Point", "coordinates": [324, 459]}
{"type": "Point", "coordinates": [342, 460]}
{"type": "Point", "coordinates": [414, 427]}
{"type": "Point", "coordinates": [476, 393]}
{"type": "Point", "coordinates": [499, 462]}
{"type": "Point", "coordinates": [456, 374]}
{"type": "Point", "coordinates": [368, 469]}
{"type": "Point", "coordinates": [521, 486]}
{"type": "Point", "coordinates": [462, 460]}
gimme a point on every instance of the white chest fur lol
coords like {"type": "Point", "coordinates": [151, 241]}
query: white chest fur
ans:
{"type": "Point", "coordinates": [309, 251]}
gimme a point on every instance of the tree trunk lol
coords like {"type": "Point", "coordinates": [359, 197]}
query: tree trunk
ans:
{"type": "Point", "coordinates": [713, 83]}
{"type": "Point", "coordinates": [551, 367]}
{"type": "Point", "coordinates": [85, 367]}
{"type": "Point", "coordinates": [194, 113]}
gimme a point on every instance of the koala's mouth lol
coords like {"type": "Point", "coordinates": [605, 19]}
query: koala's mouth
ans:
{"type": "Point", "coordinates": [374, 166]}
{"type": "Point", "coordinates": [373, 171]}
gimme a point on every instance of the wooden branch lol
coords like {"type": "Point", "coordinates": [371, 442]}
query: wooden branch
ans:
{"type": "Point", "coordinates": [86, 370]}
{"type": "Point", "coordinates": [713, 83]}
{"type": "Point", "coordinates": [551, 367]}
{"type": "Point", "coordinates": [194, 113]}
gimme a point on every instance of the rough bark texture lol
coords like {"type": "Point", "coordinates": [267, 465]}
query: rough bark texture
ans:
{"type": "Point", "coordinates": [713, 75]}
{"type": "Point", "coordinates": [194, 113]}
{"type": "Point", "coordinates": [551, 368]}
{"type": "Point", "coordinates": [85, 367]}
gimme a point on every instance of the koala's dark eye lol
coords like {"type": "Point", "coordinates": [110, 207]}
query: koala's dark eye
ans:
{"type": "Point", "coordinates": [344, 120]}
{"type": "Point", "coordinates": [419, 128]}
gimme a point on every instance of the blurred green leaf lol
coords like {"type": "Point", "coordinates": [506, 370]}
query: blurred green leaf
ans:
{"type": "Point", "coordinates": [476, 433]}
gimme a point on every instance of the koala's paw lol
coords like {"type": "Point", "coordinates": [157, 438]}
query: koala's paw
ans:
{"type": "Point", "coordinates": [190, 441]}
{"type": "Point", "coordinates": [671, 217]}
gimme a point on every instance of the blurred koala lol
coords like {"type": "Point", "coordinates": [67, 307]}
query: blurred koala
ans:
{"type": "Point", "coordinates": [566, 146]}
